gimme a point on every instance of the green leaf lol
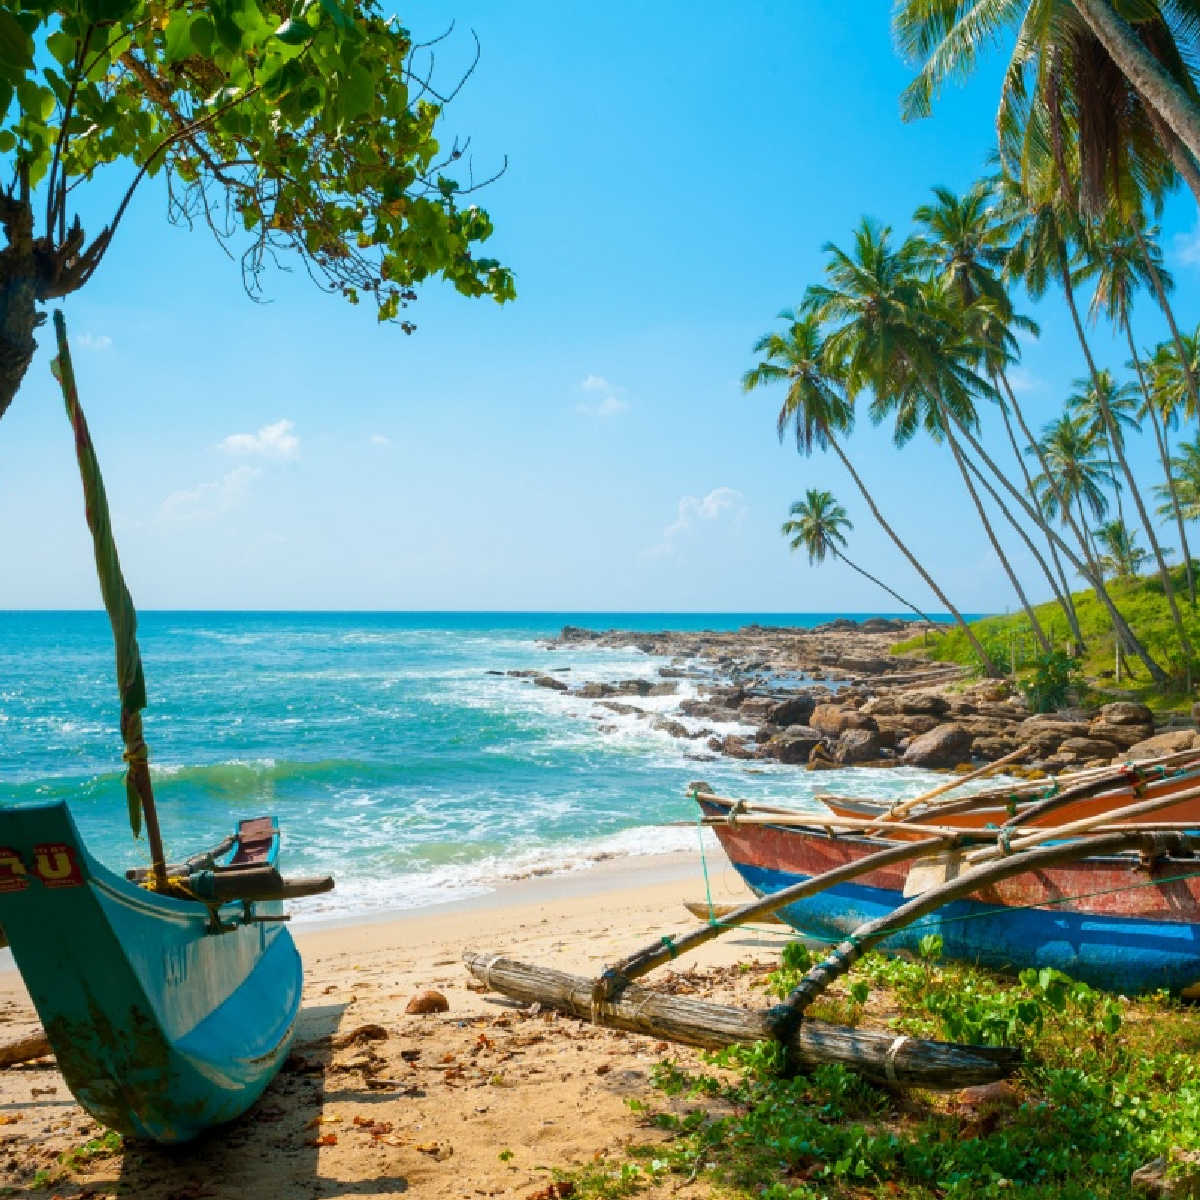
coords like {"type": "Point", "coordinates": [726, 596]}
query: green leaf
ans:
{"type": "Point", "coordinates": [104, 11]}
{"type": "Point", "coordinates": [8, 140]}
{"type": "Point", "coordinates": [203, 34]}
{"type": "Point", "coordinates": [338, 14]}
{"type": "Point", "coordinates": [294, 33]}
{"type": "Point", "coordinates": [16, 46]}
{"type": "Point", "coordinates": [179, 44]}
{"type": "Point", "coordinates": [63, 47]}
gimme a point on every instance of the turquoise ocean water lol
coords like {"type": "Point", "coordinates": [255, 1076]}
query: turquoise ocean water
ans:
{"type": "Point", "coordinates": [393, 758]}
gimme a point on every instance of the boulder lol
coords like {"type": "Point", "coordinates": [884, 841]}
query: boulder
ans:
{"type": "Point", "coordinates": [1124, 712]}
{"type": "Point", "coordinates": [992, 748]}
{"type": "Point", "coordinates": [902, 727]}
{"type": "Point", "coordinates": [1176, 1177]}
{"type": "Point", "coordinates": [923, 703]}
{"type": "Point", "coordinates": [705, 709]}
{"type": "Point", "coordinates": [882, 706]}
{"type": "Point", "coordinates": [595, 691]}
{"type": "Point", "coordinates": [1170, 742]}
{"type": "Point", "coordinates": [428, 1001]}
{"type": "Point", "coordinates": [794, 711]}
{"type": "Point", "coordinates": [1048, 726]}
{"type": "Point", "coordinates": [663, 689]}
{"type": "Point", "coordinates": [734, 747]}
{"type": "Point", "coordinates": [834, 719]}
{"type": "Point", "coordinates": [1124, 736]}
{"type": "Point", "coordinates": [944, 746]}
{"type": "Point", "coordinates": [1083, 749]}
{"type": "Point", "coordinates": [757, 708]}
{"type": "Point", "coordinates": [675, 728]}
{"type": "Point", "coordinates": [794, 744]}
{"type": "Point", "coordinates": [548, 681]}
{"type": "Point", "coordinates": [634, 687]}
{"type": "Point", "coordinates": [857, 746]}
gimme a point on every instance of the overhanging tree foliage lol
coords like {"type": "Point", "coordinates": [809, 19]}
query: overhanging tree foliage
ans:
{"type": "Point", "coordinates": [305, 129]}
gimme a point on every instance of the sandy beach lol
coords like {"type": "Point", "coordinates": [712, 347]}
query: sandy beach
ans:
{"type": "Point", "coordinates": [482, 1100]}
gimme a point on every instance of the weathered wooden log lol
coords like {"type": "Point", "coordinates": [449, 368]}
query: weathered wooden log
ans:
{"type": "Point", "coordinates": [23, 1049]}
{"type": "Point", "coordinates": [881, 1057]}
{"type": "Point", "coordinates": [718, 912]}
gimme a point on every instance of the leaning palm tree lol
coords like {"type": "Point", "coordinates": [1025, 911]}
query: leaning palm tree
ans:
{"type": "Point", "coordinates": [819, 413]}
{"type": "Point", "coordinates": [1066, 70]}
{"type": "Point", "coordinates": [897, 336]}
{"type": "Point", "coordinates": [816, 526]}
{"type": "Point", "coordinates": [1121, 555]}
{"type": "Point", "coordinates": [1084, 402]}
{"type": "Point", "coordinates": [963, 245]}
{"type": "Point", "coordinates": [1074, 475]}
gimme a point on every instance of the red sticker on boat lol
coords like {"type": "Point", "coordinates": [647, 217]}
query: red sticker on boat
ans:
{"type": "Point", "coordinates": [54, 863]}
{"type": "Point", "coordinates": [13, 876]}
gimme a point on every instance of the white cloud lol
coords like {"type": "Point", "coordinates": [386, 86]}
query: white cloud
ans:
{"type": "Point", "coordinates": [380, 439]}
{"type": "Point", "coordinates": [1186, 247]}
{"type": "Point", "coordinates": [94, 341]}
{"type": "Point", "coordinates": [1023, 380]}
{"type": "Point", "coordinates": [210, 499]}
{"type": "Point", "coordinates": [609, 399]}
{"type": "Point", "coordinates": [271, 441]}
{"type": "Point", "coordinates": [694, 510]}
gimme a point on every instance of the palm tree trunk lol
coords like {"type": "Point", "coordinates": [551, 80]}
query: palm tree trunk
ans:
{"type": "Point", "coordinates": [1114, 436]}
{"type": "Point", "coordinates": [1061, 589]}
{"type": "Point", "coordinates": [1024, 536]}
{"type": "Point", "coordinates": [988, 666]}
{"type": "Point", "coordinates": [1091, 572]}
{"type": "Point", "coordinates": [956, 450]}
{"type": "Point", "coordinates": [1185, 164]}
{"type": "Point", "coordinates": [1166, 462]}
{"type": "Point", "coordinates": [1160, 293]}
{"type": "Point", "coordinates": [879, 583]}
{"type": "Point", "coordinates": [1144, 71]}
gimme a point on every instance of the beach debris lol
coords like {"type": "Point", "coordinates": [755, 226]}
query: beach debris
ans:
{"type": "Point", "coordinates": [436, 1150]}
{"type": "Point", "coordinates": [428, 1001]}
{"type": "Point", "coordinates": [1174, 1177]}
{"type": "Point", "coordinates": [21, 1050]}
{"type": "Point", "coordinates": [558, 1190]}
{"type": "Point", "coordinates": [324, 1139]}
{"type": "Point", "coordinates": [356, 1037]}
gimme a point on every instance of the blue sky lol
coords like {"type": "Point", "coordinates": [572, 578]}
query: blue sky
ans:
{"type": "Point", "coordinates": [674, 171]}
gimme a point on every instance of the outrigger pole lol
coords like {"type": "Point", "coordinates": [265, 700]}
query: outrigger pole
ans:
{"type": "Point", "coordinates": [121, 615]}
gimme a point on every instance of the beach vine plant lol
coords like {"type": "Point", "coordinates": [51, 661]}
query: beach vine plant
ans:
{"type": "Point", "coordinates": [303, 130]}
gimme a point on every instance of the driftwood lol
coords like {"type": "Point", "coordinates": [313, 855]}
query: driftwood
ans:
{"type": "Point", "coordinates": [881, 1057]}
{"type": "Point", "coordinates": [34, 1045]}
{"type": "Point", "coordinates": [718, 912]}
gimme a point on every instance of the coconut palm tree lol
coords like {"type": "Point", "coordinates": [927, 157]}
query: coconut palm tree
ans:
{"type": "Point", "coordinates": [963, 245]}
{"type": "Point", "coordinates": [1085, 403]}
{"type": "Point", "coordinates": [816, 526]}
{"type": "Point", "coordinates": [896, 335]}
{"type": "Point", "coordinates": [1066, 71]}
{"type": "Point", "coordinates": [1047, 236]}
{"type": "Point", "coordinates": [818, 412]}
{"type": "Point", "coordinates": [1121, 556]}
{"type": "Point", "coordinates": [1185, 469]}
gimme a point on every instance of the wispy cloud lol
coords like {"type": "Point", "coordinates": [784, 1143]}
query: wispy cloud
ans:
{"type": "Point", "coordinates": [94, 341]}
{"type": "Point", "coordinates": [271, 441]}
{"type": "Point", "coordinates": [604, 399]}
{"type": "Point", "coordinates": [1023, 380]}
{"type": "Point", "coordinates": [695, 511]}
{"type": "Point", "coordinates": [380, 439]}
{"type": "Point", "coordinates": [210, 499]}
{"type": "Point", "coordinates": [1186, 247]}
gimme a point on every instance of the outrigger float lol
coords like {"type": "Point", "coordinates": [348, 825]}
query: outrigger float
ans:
{"type": "Point", "coordinates": [168, 997]}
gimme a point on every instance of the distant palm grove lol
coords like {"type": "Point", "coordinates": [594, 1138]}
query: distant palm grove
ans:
{"type": "Point", "coordinates": [1098, 120]}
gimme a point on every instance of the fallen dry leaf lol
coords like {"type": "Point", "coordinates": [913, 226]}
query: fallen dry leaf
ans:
{"type": "Point", "coordinates": [9, 1118]}
{"type": "Point", "coordinates": [326, 1139]}
{"type": "Point", "coordinates": [556, 1191]}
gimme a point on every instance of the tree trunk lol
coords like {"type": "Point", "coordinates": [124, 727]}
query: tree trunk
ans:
{"type": "Point", "coordinates": [989, 666]}
{"type": "Point", "coordinates": [18, 295]}
{"type": "Point", "coordinates": [1091, 573]}
{"type": "Point", "coordinates": [956, 450]}
{"type": "Point", "coordinates": [1061, 588]}
{"type": "Point", "coordinates": [1144, 71]}
{"type": "Point", "coordinates": [1166, 462]}
{"type": "Point", "coordinates": [1160, 293]}
{"type": "Point", "coordinates": [1185, 164]}
{"type": "Point", "coordinates": [1029, 543]}
{"type": "Point", "coordinates": [1114, 437]}
{"type": "Point", "coordinates": [879, 583]}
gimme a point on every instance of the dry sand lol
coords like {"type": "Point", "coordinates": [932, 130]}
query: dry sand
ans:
{"type": "Point", "coordinates": [482, 1100]}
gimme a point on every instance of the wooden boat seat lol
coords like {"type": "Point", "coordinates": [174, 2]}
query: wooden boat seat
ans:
{"type": "Point", "coordinates": [254, 839]}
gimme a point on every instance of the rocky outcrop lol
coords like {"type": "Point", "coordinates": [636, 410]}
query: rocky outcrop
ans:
{"type": "Point", "coordinates": [833, 719]}
{"type": "Point", "coordinates": [1124, 712]}
{"type": "Point", "coordinates": [1171, 742]}
{"type": "Point", "coordinates": [1122, 736]}
{"type": "Point", "coordinates": [795, 710]}
{"type": "Point", "coordinates": [548, 681]}
{"type": "Point", "coordinates": [1084, 749]}
{"type": "Point", "coordinates": [857, 746]}
{"type": "Point", "coordinates": [793, 745]}
{"type": "Point", "coordinates": [945, 746]}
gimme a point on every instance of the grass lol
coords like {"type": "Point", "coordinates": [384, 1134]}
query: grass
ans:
{"type": "Point", "coordinates": [1010, 641]}
{"type": "Point", "coordinates": [1108, 1084]}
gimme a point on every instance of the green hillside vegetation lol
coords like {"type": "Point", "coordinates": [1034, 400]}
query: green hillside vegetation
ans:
{"type": "Point", "coordinates": [1009, 639]}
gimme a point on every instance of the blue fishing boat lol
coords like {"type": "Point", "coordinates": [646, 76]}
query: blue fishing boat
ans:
{"type": "Point", "coordinates": [167, 1013]}
{"type": "Point", "coordinates": [168, 997]}
{"type": "Point", "coordinates": [1123, 922]}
